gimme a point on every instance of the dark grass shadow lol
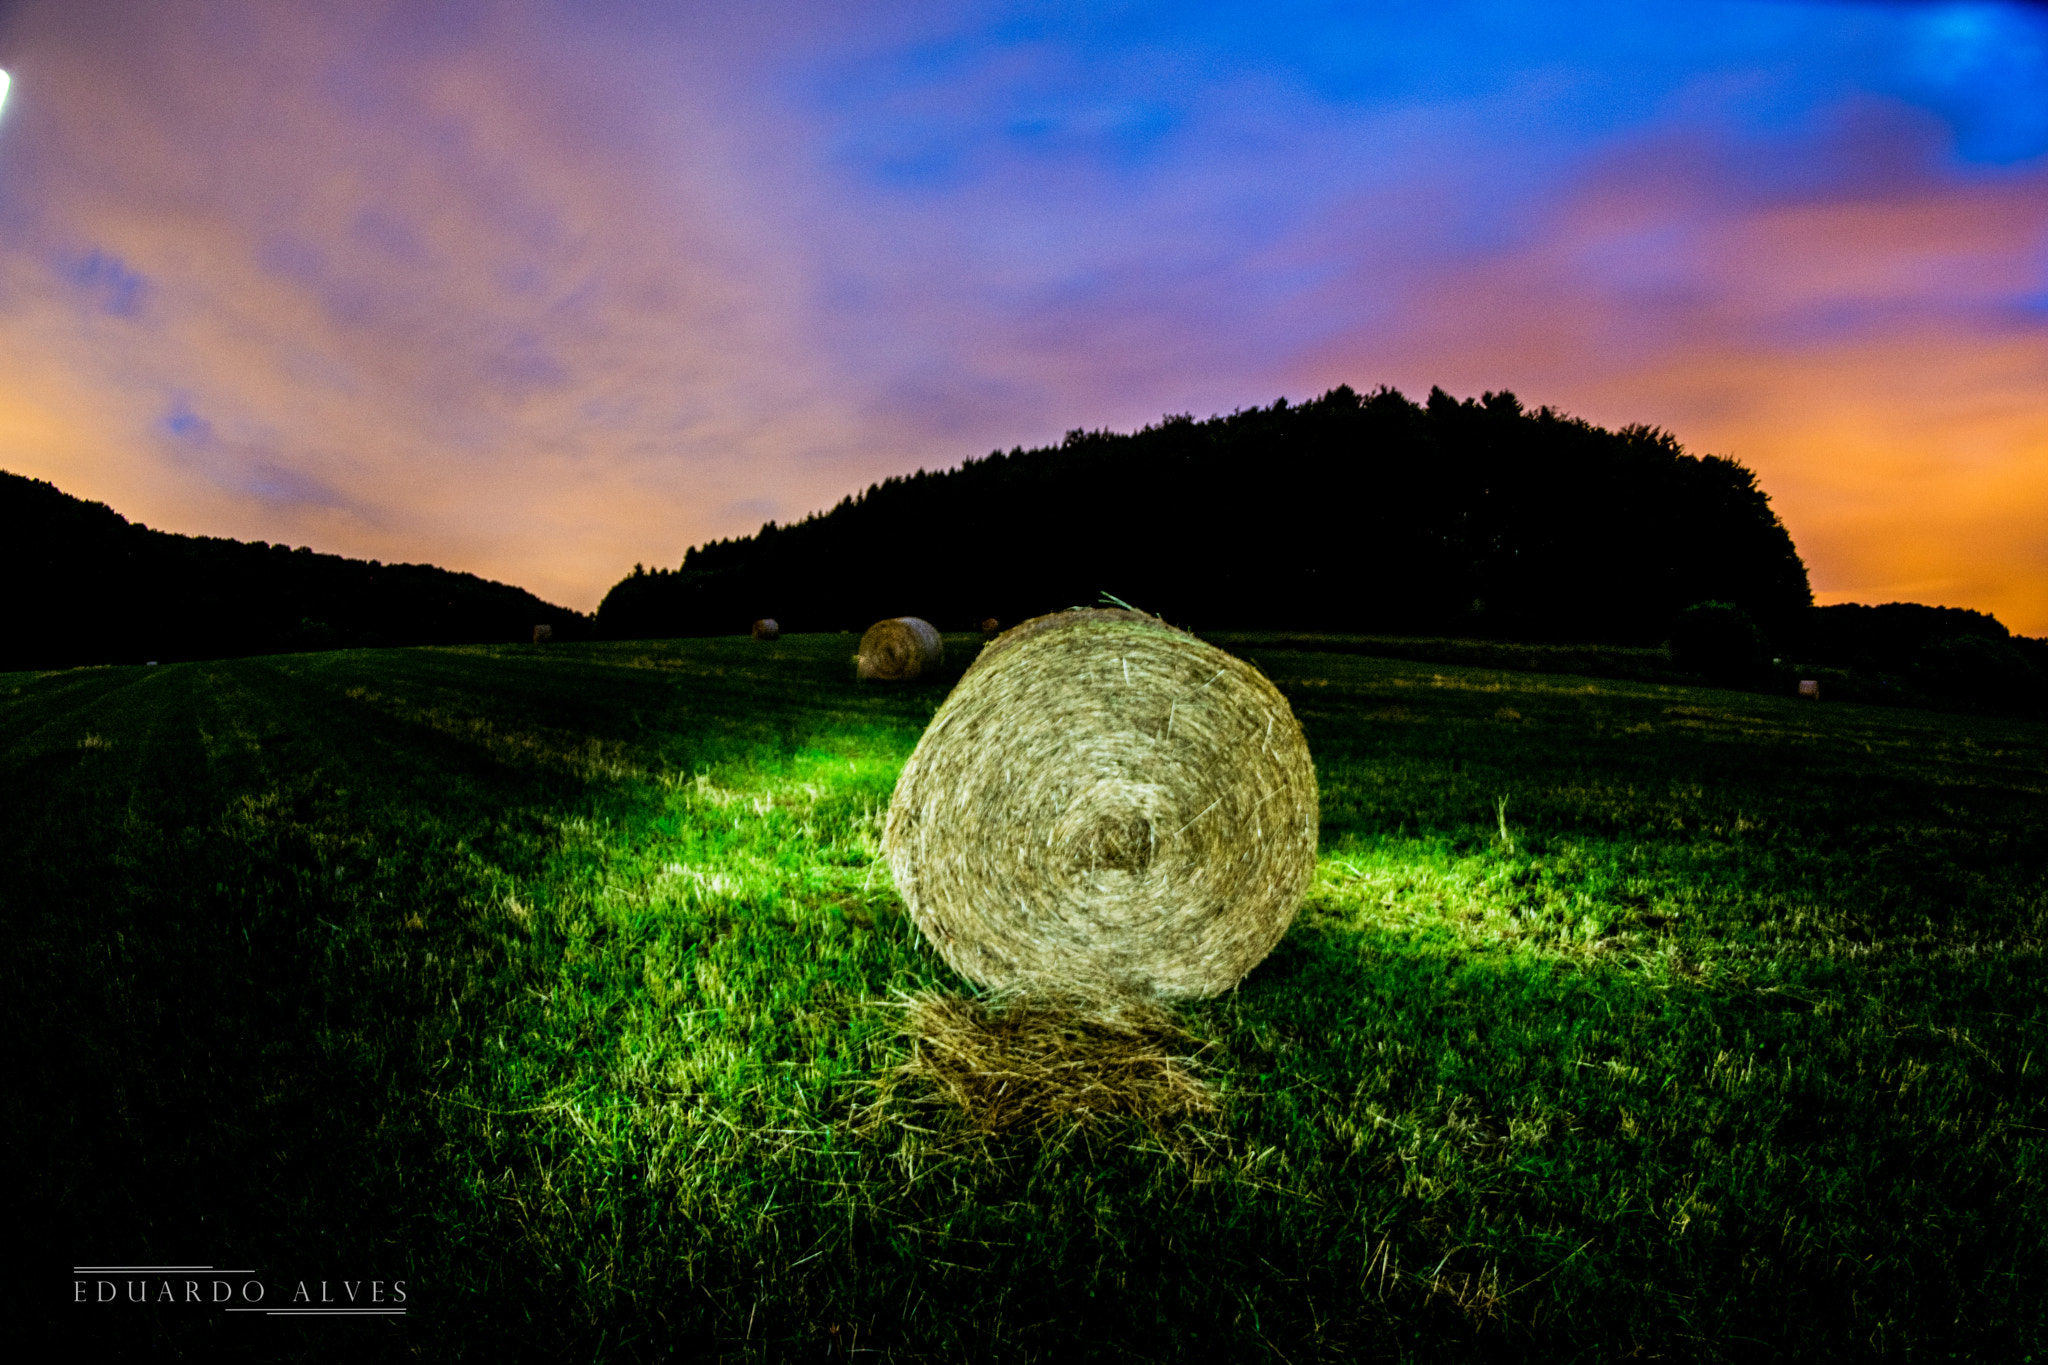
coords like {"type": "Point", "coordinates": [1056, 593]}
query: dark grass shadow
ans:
{"type": "Point", "coordinates": [1732, 1164]}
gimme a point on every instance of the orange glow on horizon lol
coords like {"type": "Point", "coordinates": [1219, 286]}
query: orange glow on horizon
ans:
{"type": "Point", "coordinates": [547, 293]}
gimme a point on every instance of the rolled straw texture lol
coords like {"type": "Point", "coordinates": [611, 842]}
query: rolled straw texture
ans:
{"type": "Point", "coordinates": [1106, 803]}
{"type": "Point", "coordinates": [899, 649]}
{"type": "Point", "coordinates": [766, 629]}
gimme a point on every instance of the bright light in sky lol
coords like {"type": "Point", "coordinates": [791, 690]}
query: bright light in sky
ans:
{"type": "Point", "coordinates": [5, 81]}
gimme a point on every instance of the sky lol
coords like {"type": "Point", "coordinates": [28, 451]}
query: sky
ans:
{"type": "Point", "coordinates": [541, 289]}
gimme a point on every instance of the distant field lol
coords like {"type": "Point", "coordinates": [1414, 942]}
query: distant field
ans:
{"type": "Point", "coordinates": [1624, 1019]}
{"type": "Point", "coordinates": [1634, 663]}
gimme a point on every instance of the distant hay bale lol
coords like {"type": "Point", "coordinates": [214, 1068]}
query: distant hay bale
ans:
{"type": "Point", "coordinates": [1106, 805]}
{"type": "Point", "coordinates": [767, 629]}
{"type": "Point", "coordinates": [543, 633]}
{"type": "Point", "coordinates": [1810, 687]}
{"type": "Point", "coordinates": [990, 626]}
{"type": "Point", "coordinates": [899, 649]}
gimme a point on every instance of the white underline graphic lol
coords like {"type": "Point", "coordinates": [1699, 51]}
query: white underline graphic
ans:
{"type": "Point", "coordinates": [151, 1269]}
{"type": "Point", "coordinates": [322, 1312]}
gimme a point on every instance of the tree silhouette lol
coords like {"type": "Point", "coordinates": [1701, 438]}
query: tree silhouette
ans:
{"type": "Point", "coordinates": [1349, 513]}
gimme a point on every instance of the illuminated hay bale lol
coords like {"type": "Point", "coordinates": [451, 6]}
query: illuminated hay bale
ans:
{"type": "Point", "coordinates": [1039, 1062]}
{"type": "Point", "coordinates": [899, 649]}
{"type": "Point", "coordinates": [766, 629]}
{"type": "Point", "coordinates": [1105, 805]}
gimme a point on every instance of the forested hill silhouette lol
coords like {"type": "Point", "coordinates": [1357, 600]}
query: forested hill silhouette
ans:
{"type": "Point", "coordinates": [90, 587]}
{"type": "Point", "coordinates": [1348, 513]}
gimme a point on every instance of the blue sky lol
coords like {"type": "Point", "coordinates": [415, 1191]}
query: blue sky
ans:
{"type": "Point", "coordinates": [541, 290]}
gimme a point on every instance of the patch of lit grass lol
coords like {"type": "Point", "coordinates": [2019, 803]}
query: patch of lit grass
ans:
{"type": "Point", "coordinates": [565, 983]}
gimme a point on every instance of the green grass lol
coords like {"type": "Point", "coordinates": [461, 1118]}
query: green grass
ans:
{"type": "Point", "coordinates": [1623, 1019]}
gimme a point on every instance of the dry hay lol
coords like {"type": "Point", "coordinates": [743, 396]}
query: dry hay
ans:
{"type": "Point", "coordinates": [899, 649]}
{"type": "Point", "coordinates": [1106, 804]}
{"type": "Point", "coordinates": [766, 629]}
{"type": "Point", "coordinates": [990, 626]}
{"type": "Point", "coordinates": [1036, 1062]}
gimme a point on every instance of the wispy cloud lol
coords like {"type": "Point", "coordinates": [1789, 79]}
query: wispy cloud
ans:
{"type": "Point", "coordinates": [541, 290]}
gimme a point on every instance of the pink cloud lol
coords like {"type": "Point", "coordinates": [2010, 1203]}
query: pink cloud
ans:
{"type": "Point", "coordinates": [1864, 349]}
{"type": "Point", "coordinates": [539, 294]}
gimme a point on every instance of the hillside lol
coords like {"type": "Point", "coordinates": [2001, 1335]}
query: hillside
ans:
{"type": "Point", "coordinates": [91, 587]}
{"type": "Point", "coordinates": [1350, 513]}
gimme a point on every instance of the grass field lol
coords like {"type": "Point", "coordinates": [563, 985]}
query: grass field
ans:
{"type": "Point", "coordinates": [1624, 1020]}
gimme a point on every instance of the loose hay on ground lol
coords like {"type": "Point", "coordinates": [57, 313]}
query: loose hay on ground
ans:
{"type": "Point", "coordinates": [1030, 1063]}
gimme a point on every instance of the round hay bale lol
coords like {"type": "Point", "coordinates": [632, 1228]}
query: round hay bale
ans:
{"type": "Point", "coordinates": [1105, 803]}
{"type": "Point", "coordinates": [990, 626]}
{"type": "Point", "coordinates": [899, 649]}
{"type": "Point", "coordinates": [766, 629]}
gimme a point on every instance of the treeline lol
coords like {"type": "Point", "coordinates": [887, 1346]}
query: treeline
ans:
{"type": "Point", "coordinates": [90, 587]}
{"type": "Point", "coordinates": [1913, 655]}
{"type": "Point", "coordinates": [1899, 654]}
{"type": "Point", "coordinates": [1352, 513]}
